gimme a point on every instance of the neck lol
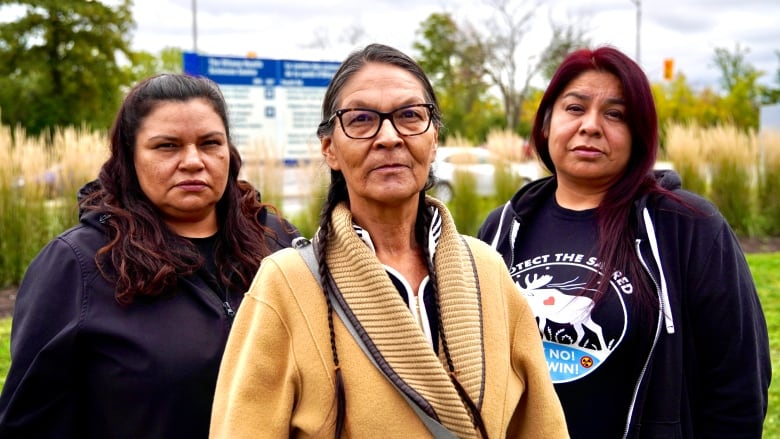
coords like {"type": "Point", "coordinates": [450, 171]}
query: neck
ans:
{"type": "Point", "coordinates": [575, 197]}
{"type": "Point", "coordinates": [201, 228]}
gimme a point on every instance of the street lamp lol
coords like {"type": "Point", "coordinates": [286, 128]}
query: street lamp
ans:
{"type": "Point", "coordinates": [194, 26]}
{"type": "Point", "coordinates": [638, 4]}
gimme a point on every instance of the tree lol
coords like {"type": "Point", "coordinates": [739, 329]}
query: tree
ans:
{"type": "Point", "coordinates": [508, 26]}
{"type": "Point", "coordinates": [566, 38]}
{"type": "Point", "coordinates": [772, 94]}
{"type": "Point", "coordinates": [456, 70]}
{"type": "Point", "coordinates": [739, 79]}
{"type": "Point", "coordinates": [498, 47]}
{"type": "Point", "coordinates": [59, 63]}
{"type": "Point", "coordinates": [145, 64]}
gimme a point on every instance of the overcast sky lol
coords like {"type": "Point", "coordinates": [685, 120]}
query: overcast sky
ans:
{"type": "Point", "coordinates": [686, 30]}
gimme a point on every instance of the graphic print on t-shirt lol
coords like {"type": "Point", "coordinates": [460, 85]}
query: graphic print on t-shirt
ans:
{"type": "Point", "coordinates": [577, 336]}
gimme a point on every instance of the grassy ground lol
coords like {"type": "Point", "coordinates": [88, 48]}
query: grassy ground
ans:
{"type": "Point", "coordinates": [764, 266]}
{"type": "Point", "coordinates": [5, 355]}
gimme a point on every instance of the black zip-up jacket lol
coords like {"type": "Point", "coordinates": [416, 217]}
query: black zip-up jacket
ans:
{"type": "Point", "coordinates": [708, 370]}
{"type": "Point", "coordinates": [85, 367]}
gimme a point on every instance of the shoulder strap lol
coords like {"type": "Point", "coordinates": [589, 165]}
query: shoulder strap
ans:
{"type": "Point", "coordinates": [306, 250]}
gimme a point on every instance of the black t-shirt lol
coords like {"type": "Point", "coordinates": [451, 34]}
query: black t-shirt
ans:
{"type": "Point", "coordinates": [209, 271]}
{"type": "Point", "coordinates": [591, 351]}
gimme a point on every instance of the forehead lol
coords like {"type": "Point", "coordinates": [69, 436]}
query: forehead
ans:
{"type": "Point", "coordinates": [380, 85]}
{"type": "Point", "coordinates": [594, 83]}
{"type": "Point", "coordinates": [171, 111]}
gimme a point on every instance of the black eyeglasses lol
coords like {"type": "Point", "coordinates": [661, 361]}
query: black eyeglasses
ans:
{"type": "Point", "coordinates": [364, 123]}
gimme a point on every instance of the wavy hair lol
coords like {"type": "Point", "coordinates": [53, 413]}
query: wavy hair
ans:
{"type": "Point", "coordinates": [143, 257]}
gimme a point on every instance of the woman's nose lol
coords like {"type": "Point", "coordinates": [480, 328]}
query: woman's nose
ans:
{"type": "Point", "coordinates": [591, 124]}
{"type": "Point", "coordinates": [387, 136]}
{"type": "Point", "coordinates": [191, 157]}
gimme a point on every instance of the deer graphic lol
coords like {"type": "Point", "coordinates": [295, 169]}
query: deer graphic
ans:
{"type": "Point", "coordinates": [549, 303]}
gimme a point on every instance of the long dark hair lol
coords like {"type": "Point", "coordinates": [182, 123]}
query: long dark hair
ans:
{"type": "Point", "coordinates": [143, 257]}
{"type": "Point", "coordinates": [337, 193]}
{"type": "Point", "coordinates": [616, 227]}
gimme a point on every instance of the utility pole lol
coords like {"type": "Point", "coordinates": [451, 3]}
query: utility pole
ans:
{"type": "Point", "coordinates": [638, 4]}
{"type": "Point", "coordinates": [194, 26]}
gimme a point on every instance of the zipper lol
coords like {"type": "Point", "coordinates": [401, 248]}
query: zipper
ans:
{"type": "Point", "coordinates": [655, 340]}
{"type": "Point", "coordinates": [228, 309]}
{"type": "Point", "coordinates": [221, 294]}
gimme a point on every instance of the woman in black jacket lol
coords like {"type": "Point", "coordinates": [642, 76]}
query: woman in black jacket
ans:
{"type": "Point", "coordinates": [648, 312]}
{"type": "Point", "coordinates": [120, 322]}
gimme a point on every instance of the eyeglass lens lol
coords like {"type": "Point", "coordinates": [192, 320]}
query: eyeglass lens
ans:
{"type": "Point", "coordinates": [365, 123]}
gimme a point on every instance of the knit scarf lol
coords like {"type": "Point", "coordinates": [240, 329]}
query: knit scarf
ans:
{"type": "Point", "coordinates": [388, 328]}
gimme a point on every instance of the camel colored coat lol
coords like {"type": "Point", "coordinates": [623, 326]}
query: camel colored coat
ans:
{"type": "Point", "coordinates": [277, 378]}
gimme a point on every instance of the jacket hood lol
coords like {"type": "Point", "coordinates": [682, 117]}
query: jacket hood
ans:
{"type": "Point", "coordinates": [668, 179]}
{"type": "Point", "coordinates": [89, 217]}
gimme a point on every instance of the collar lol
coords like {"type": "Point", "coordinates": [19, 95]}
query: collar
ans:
{"type": "Point", "coordinates": [401, 350]}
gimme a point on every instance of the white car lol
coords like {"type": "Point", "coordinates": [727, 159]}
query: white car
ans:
{"type": "Point", "coordinates": [479, 163]}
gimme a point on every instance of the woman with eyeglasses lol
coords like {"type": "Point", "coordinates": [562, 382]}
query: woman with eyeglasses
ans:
{"type": "Point", "coordinates": [399, 327]}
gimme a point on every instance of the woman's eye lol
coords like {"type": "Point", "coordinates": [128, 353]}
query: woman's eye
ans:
{"type": "Point", "coordinates": [362, 117]}
{"type": "Point", "coordinates": [574, 108]}
{"type": "Point", "coordinates": [615, 114]}
{"type": "Point", "coordinates": [408, 115]}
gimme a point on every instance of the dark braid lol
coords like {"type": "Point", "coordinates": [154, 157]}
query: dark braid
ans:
{"type": "Point", "coordinates": [337, 192]}
{"type": "Point", "coordinates": [421, 228]}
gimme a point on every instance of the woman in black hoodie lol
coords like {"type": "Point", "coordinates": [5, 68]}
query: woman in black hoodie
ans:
{"type": "Point", "coordinates": [120, 322]}
{"type": "Point", "coordinates": [648, 312]}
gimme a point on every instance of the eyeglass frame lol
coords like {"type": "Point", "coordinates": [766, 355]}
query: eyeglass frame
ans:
{"type": "Point", "coordinates": [382, 117]}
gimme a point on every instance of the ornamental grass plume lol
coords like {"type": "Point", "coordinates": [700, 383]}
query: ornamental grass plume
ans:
{"type": "Point", "coordinates": [685, 150]}
{"type": "Point", "coordinates": [769, 182]}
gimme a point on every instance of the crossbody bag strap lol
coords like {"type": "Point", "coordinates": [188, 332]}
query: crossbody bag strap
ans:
{"type": "Point", "coordinates": [306, 249]}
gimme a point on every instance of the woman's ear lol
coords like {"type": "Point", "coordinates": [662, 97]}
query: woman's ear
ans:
{"type": "Point", "coordinates": [326, 144]}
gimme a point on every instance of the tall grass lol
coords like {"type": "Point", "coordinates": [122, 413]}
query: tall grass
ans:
{"type": "Point", "coordinates": [738, 171]}
{"type": "Point", "coordinates": [38, 183]}
{"type": "Point", "coordinates": [769, 182]}
{"type": "Point", "coordinates": [685, 150]}
{"type": "Point", "coordinates": [510, 148]}
{"type": "Point", "coordinates": [296, 189]}
{"type": "Point", "coordinates": [733, 165]}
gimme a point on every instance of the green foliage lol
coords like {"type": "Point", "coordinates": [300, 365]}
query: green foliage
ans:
{"type": "Point", "coordinates": [465, 202]}
{"type": "Point", "coordinates": [505, 181]}
{"type": "Point", "coordinates": [740, 81]}
{"type": "Point", "coordinates": [308, 220]}
{"type": "Point", "coordinates": [677, 102]}
{"type": "Point", "coordinates": [730, 189]}
{"type": "Point", "coordinates": [455, 68]}
{"type": "Point", "coordinates": [59, 63]}
{"type": "Point", "coordinates": [145, 64]}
